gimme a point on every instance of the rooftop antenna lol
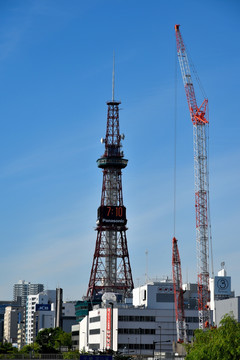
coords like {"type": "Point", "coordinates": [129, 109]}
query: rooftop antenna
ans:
{"type": "Point", "coordinates": [113, 76]}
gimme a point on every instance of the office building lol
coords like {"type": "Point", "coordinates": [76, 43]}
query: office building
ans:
{"type": "Point", "coordinates": [40, 313]}
{"type": "Point", "coordinates": [229, 306]}
{"type": "Point", "coordinates": [12, 317]}
{"type": "Point", "coordinates": [3, 305]}
{"type": "Point", "coordinates": [22, 289]}
{"type": "Point", "coordinates": [220, 289]}
{"type": "Point", "coordinates": [140, 326]}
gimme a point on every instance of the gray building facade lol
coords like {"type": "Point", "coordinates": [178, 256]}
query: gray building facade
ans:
{"type": "Point", "coordinates": [227, 306]}
{"type": "Point", "coordinates": [23, 288]}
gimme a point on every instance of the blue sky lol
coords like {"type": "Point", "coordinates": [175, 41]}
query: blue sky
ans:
{"type": "Point", "coordinates": [55, 79]}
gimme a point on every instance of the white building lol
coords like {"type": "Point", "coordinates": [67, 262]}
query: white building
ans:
{"type": "Point", "coordinates": [220, 289]}
{"type": "Point", "coordinates": [40, 313]}
{"type": "Point", "coordinates": [146, 327]}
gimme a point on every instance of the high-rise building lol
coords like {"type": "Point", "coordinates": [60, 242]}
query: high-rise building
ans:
{"type": "Point", "coordinates": [3, 305]}
{"type": "Point", "coordinates": [23, 288]}
{"type": "Point", "coordinates": [47, 310]}
{"type": "Point", "coordinates": [12, 317]}
{"type": "Point", "coordinates": [40, 313]}
{"type": "Point", "coordinates": [21, 291]}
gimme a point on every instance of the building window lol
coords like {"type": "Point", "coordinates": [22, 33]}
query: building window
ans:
{"type": "Point", "coordinates": [94, 346]}
{"type": "Point", "coordinates": [136, 318]}
{"type": "Point", "coordinates": [75, 333]}
{"type": "Point", "coordinates": [95, 319]}
{"type": "Point", "coordinates": [94, 331]}
{"type": "Point", "coordinates": [192, 319]}
{"type": "Point", "coordinates": [135, 346]}
{"type": "Point", "coordinates": [164, 297]}
{"type": "Point", "coordinates": [136, 331]}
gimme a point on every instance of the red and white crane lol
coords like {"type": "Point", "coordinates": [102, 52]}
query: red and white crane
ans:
{"type": "Point", "coordinates": [178, 293]}
{"type": "Point", "coordinates": [199, 117]}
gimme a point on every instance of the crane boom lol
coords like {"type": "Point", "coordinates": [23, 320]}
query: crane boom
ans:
{"type": "Point", "coordinates": [178, 293]}
{"type": "Point", "coordinates": [200, 122]}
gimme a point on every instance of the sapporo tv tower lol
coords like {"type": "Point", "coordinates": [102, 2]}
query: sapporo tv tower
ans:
{"type": "Point", "coordinates": [111, 271]}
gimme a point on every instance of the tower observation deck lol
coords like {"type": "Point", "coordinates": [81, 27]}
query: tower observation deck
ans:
{"type": "Point", "coordinates": [111, 271]}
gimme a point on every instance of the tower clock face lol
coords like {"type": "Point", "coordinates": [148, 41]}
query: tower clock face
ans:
{"type": "Point", "coordinates": [108, 215]}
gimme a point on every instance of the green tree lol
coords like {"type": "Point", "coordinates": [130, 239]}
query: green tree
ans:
{"type": "Point", "coordinates": [46, 340]}
{"type": "Point", "coordinates": [71, 355]}
{"type": "Point", "coordinates": [32, 348]}
{"type": "Point", "coordinates": [7, 348]}
{"type": "Point", "coordinates": [50, 340]}
{"type": "Point", "coordinates": [63, 339]}
{"type": "Point", "coordinates": [222, 343]}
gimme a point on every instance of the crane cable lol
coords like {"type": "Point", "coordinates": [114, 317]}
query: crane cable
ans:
{"type": "Point", "coordinates": [174, 166]}
{"type": "Point", "coordinates": [209, 215]}
{"type": "Point", "coordinates": [193, 68]}
{"type": "Point", "coordinates": [175, 151]}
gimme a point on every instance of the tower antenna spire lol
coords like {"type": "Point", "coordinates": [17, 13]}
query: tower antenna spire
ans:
{"type": "Point", "coordinates": [113, 76]}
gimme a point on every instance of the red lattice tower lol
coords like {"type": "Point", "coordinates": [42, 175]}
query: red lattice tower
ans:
{"type": "Point", "coordinates": [111, 271]}
{"type": "Point", "coordinates": [178, 293]}
{"type": "Point", "coordinates": [200, 124]}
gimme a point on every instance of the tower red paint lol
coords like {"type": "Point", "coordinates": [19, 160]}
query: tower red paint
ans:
{"type": "Point", "coordinates": [111, 270]}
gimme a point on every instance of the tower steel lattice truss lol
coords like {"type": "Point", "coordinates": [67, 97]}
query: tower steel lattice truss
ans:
{"type": "Point", "coordinates": [178, 293]}
{"type": "Point", "coordinates": [111, 271]}
{"type": "Point", "coordinates": [200, 124]}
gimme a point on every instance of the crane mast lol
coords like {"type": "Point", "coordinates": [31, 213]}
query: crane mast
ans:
{"type": "Point", "coordinates": [200, 123]}
{"type": "Point", "coordinates": [178, 293]}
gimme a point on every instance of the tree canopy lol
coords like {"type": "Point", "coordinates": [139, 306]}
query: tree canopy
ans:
{"type": "Point", "coordinates": [7, 348]}
{"type": "Point", "coordinates": [51, 340]}
{"type": "Point", "coordinates": [222, 343]}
